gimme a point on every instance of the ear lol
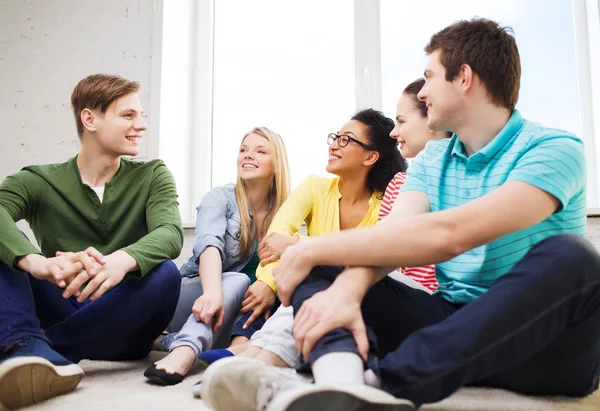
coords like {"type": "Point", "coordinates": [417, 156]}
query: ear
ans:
{"type": "Point", "coordinates": [372, 159]}
{"type": "Point", "coordinates": [466, 76]}
{"type": "Point", "coordinates": [88, 118]}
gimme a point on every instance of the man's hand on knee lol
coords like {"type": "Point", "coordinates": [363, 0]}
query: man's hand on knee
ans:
{"type": "Point", "coordinates": [324, 312]}
{"type": "Point", "coordinates": [295, 265]}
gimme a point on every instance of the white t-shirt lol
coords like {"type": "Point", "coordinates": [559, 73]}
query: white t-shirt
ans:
{"type": "Point", "coordinates": [99, 191]}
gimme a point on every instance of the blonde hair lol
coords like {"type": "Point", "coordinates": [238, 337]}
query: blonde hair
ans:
{"type": "Point", "coordinates": [279, 192]}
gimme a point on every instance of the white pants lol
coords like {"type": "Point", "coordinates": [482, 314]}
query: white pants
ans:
{"type": "Point", "coordinates": [276, 336]}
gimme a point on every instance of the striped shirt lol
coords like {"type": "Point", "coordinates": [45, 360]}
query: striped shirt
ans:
{"type": "Point", "coordinates": [424, 275]}
{"type": "Point", "coordinates": [552, 160]}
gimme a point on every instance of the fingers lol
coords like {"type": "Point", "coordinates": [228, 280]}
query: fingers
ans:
{"type": "Point", "coordinates": [255, 314]}
{"type": "Point", "coordinates": [76, 284]}
{"type": "Point", "coordinates": [197, 308]}
{"type": "Point", "coordinates": [56, 274]}
{"type": "Point", "coordinates": [262, 247]}
{"type": "Point", "coordinates": [359, 333]}
{"type": "Point", "coordinates": [250, 300]}
{"type": "Point", "coordinates": [70, 262]}
{"type": "Point", "coordinates": [268, 259]}
{"type": "Point", "coordinates": [284, 296]}
{"type": "Point", "coordinates": [88, 263]}
{"type": "Point", "coordinates": [92, 286]}
{"type": "Point", "coordinates": [219, 319]}
{"type": "Point", "coordinates": [301, 326]}
{"type": "Point", "coordinates": [206, 318]}
{"type": "Point", "coordinates": [249, 305]}
{"type": "Point", "coordinates": [96, 255]}
{"type": "Point", "coordinates": [311, 338]}
{"type": "Point", "coordinates": [104, 287]}
{"type": "Point", "coordinates": [268, 313]}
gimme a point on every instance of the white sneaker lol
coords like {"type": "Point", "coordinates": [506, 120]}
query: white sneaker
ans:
{"type": "Point", "coordinates": [337, 398]}
{"type": "Point", "coordinates": [245, 384]}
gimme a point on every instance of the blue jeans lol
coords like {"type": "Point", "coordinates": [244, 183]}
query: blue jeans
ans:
{"type": "Point", "coordinates": [536, 331]}
{"type": "Point", "coordinates": [121, 325]}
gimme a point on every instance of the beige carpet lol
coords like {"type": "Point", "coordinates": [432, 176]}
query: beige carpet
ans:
{"type": "Point", "coordinates": [121, 386]}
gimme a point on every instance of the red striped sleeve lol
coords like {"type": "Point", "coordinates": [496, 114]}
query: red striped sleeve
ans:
{"type": "Point", "coordinates": [424, 275]}
{"type": "Point", "coordinates": [390, 195]}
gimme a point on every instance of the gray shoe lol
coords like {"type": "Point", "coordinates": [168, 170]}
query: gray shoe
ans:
{"type": "Point", "coordinates": [245, 384]}
{"type": "Point", "coordinates": [337, 398]}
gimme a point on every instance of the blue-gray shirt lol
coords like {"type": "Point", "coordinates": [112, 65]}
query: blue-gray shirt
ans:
{"type": "Point", "coordinates": [217, 225]}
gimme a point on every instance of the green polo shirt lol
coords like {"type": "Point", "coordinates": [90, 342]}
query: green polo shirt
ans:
{"type": "Point", "coordinates": [139, 213]}
{"type": "Point", "coordinates": [552, 160]}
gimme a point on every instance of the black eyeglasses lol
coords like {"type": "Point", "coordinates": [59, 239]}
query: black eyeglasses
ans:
{"type": "Point", "coordinates": [343, 140]}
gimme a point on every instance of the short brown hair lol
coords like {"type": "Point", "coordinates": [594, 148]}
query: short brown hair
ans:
{"type": "Point", "coordinates": [98, 91]}
{"type": "Point", "coordinates": [490, 51]}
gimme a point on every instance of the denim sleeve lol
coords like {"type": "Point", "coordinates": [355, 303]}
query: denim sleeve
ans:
{"type": "Point", "coordinates": [211, 222]}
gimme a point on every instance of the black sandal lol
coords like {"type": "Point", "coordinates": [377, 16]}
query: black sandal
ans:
{"type": "Point", "coordinates": [161, 377]}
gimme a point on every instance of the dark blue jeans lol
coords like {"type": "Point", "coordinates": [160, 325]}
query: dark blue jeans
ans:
{"type": "Point", "coordinates": [121, 325]}
{"type": "Point", "coordinates": [536, 331]}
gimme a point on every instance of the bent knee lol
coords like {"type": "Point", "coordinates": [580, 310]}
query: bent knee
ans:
{"type": "Point", "coordinates": [167, 274]}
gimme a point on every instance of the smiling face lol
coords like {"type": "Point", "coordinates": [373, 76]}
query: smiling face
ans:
{"type": "Point", "coordinates": [443, 97]}
{"type": "Point", "coordinates": [411, 129]}
{"type": "Point", "coordinates": [118, 130]}
{"type": "Point", "coordinates": [351, 157]}
{"type": "Point", "coordinates": [254, 159]}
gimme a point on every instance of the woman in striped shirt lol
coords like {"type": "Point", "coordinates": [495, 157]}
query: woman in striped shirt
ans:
{"type": "Point", "coordinates": [412, 134]}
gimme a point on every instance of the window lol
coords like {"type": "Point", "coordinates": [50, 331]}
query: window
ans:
{"type": "Point", "coordinates": [302, 69]}
{"type": "Point", "coordinates": [545, 35]}
{"type": "Point", "coordinates": [288, 66]}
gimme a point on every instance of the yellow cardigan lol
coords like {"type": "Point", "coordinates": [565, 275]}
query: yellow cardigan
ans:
{"type": "Point", "coordinates": [316, 201]}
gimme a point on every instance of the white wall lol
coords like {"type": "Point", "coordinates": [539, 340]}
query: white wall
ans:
{"type": "Point", "coordinates": [46, 47]}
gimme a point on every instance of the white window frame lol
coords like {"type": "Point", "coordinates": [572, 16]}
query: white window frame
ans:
{"type": "Point", "coordinates": [586, 16]}
{"type": "Point", "coordinates": [184, 141]}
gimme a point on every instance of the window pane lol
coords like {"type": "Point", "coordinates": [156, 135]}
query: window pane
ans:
{"type": "Point", "coordinates": [544, 34]}
{"type": "Point", "coordinates": [288, 66]}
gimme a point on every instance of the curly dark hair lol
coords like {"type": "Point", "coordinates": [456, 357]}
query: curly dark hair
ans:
{"type": "Point", "coordinates": [378, 128]}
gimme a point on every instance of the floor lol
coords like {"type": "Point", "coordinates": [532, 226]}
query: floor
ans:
{"type": "Point", "coordinates": [121, 386]}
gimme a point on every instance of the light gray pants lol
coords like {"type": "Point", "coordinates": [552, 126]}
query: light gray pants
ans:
{"type": "Point", "coordinates": [185, 330]}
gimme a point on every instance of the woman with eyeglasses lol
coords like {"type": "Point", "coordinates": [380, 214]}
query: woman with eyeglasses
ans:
{"type": "Point", "coordinates": [274, 343]}
{"type": "Point", "coordinates": [364, 159]}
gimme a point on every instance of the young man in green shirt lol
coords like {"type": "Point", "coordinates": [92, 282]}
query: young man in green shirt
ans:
{"type": "Point", "coordinates": [103, 286]}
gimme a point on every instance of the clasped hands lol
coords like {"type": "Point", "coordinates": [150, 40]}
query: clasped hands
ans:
{"type": "Point", "coordinates": [84, 274]}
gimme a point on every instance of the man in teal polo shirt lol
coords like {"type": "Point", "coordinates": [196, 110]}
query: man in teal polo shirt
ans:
{"type": "Point", "coordinates": [103, 286]}
{"type": "Point", "coordinates": [500, 208]}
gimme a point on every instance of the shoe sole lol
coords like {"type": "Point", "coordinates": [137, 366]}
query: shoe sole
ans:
{"type": "Point", "coordinates": [209, 373]}
{"type": "Point", "coordinates": [336, 399]}
{"type": "Point", "coordinates": [28, 380]}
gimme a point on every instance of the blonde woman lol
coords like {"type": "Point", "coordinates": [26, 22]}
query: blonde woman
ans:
{"type": "Point", "coordinates": [363, 158]}
{"type": "Point", "coordinates": [231, 221]}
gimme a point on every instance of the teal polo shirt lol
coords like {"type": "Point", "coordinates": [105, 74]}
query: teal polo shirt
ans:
{"type": "Point", "coordinates": [550, 159]}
